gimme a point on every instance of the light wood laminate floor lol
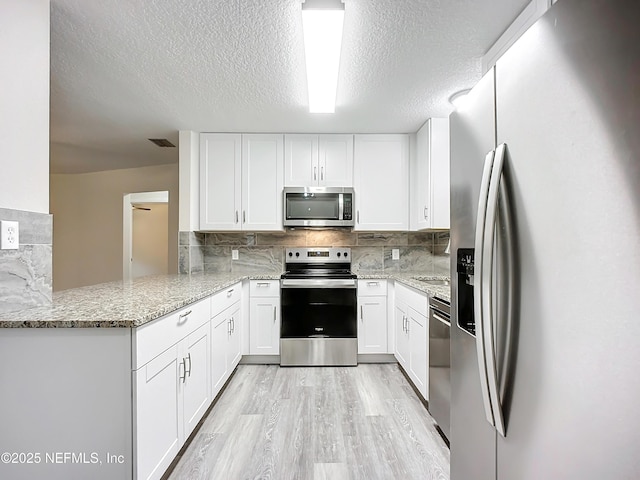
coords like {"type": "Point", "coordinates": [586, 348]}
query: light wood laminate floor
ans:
{"type": "Point", "coordinates": [336, 423]}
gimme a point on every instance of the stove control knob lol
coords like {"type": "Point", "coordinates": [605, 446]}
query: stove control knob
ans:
{"type": "Point", "coordinates": [338, 254]}
{"type": "Point", "coordinates": [345, 254]}
{"type": "Point", "coordinates": [297, 254]}
{"type": "Point", "coordinates": [290, 254]}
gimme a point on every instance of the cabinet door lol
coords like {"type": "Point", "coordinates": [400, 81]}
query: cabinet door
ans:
{"type": "Point", "coordinates": [158, 414]}
{"type": "Point", "coordinates": [430, 176]}
{"type": "Point", "coordinates": [419, 351]}
{"type": "Point", "coordinates": [264, 326]}
{"type": "Point", "coordinates": [220, 181]}
{"type": "Point", "coordinates": [335, 160]}
{"type": "Point", "coordinates": [196, 383]}
{"type": "Point", "coordinates": [234, 351]}
{"type": "Point", "coordinates": [381, 179]}
{"type": "Point", "coordinates": [420, 179]}
{"type": "Point", "coordinates": [262, 172]}
{"type": "Point", "coordinates": [301, 160]}
{"type": "Point", "coordinates": [402, 338]}
{"type": "Point", "coordinates": [220, 331]}
{"type": "Point", "coordinates": [372, 324]}
{"type": "Point", "coordinates": [439, 172]}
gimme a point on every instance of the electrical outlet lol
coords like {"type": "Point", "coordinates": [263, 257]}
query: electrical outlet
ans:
{"type": "Point", "coordinates": [234, 254]}
{"type": "Point", "coordinates": [395, 254]}
{"type": "Point", "coordinates": [9, 235]}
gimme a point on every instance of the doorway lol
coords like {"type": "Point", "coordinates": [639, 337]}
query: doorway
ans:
{"type": "Point", "coordinates": [145, 234]}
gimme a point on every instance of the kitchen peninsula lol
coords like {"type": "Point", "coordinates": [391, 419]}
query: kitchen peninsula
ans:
{"type": "Point", "coordinates": [84, 367]}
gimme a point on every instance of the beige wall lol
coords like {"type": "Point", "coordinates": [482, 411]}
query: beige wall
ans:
{"type": "Point", "coordinates": [149, 239]}
{"type": "Point", "coordinates": [87, 221]}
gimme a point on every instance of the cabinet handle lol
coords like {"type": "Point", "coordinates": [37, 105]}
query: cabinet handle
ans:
{"type": "Point", "coordinates": [274, 314]}
{"type": "Point", "coordinates": [315, 173]}
{"type": "Point", "coordinates": [373, 284]}
{"type": "Point", "coordinates": [183, 376]}
{"type": "Point", "coordinates": [321, 173]}
{"type": "Point", "coordinates": [184, 315]}
{"type": "Point", "coordinates": [263, 284]}
{"type": "Point", "coordinates": [358, 216]}
{"type": "Point", "coordinates": [426, 215]}
{"type": "Point", "coordinates": [244, 216]}
{"type": "Point", "coordinates": [233, 324]}
{"type": "Point", "coordinates": [229, 292]}
{"type": "Point", "coordinates": [236, 216]}
{"type": "Point", "coordinates": [229, 327]}
{"type": "Point", "coordinates": [361, 313]}
{"type": "Point", "coordinates": [188, 372]}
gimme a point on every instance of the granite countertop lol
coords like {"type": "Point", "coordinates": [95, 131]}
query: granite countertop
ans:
{"type": "Point", "coordinates": [132, 304]}
{"type": "Point", "coordinates": [410, 279]}
{"type": "Point", "coordinates": [124, 304]}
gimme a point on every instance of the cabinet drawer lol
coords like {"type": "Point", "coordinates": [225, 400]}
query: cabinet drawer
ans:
{"type": "Point", "coordinates": [264, 288]}
{"type": "Point", "coordinates": [155, 337]}
{"type": "Point", "coordinates": [413, 298]}
{"type": "Point", "coordinates": [370, 288]}
{"type": "Point", "coordinates": [225, 298]}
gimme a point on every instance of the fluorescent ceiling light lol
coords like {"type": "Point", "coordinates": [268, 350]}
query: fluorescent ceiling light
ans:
{"type": "Point", "coordinates": [322, 26]}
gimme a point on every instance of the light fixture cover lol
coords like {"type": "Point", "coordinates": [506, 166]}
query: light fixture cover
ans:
{"type": "Point", "coordinates": [458, 98]}
{"type": "Point", "coordinates": [322, 22]}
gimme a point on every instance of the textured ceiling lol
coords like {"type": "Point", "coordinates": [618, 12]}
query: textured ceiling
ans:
{"type": "Point", "coordinates": [124, 71]}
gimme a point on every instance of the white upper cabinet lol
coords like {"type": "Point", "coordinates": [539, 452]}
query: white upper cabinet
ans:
{"type": "Point", "coordinates": [381, 178]}
{"type": "Point", "coordinates": [220, 181]}
{"type": "Point", "coordinates": [262, 164]}
{"type": "Point", "coordinates": [241, 181]}
{"type": "Point", "coordinates": [430, 176]}
{"type": "Point", "coordinates": [318, 160]}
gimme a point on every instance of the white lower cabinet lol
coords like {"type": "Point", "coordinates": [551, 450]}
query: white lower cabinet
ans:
{"type": "Point", "coordinates": [226, 326]}
{"type": "Point", "coordinates": [411, 332]}
{"type": "Point", "coordinates": [171, 395]}
{"type": "Point", "coordinates": [264, 317]}
{"type": "Point", "coordinates": [158, 424]}
{"type": "Point", "coordinates": [372, 316]}
{"type": "Point", "coordinates": [196, 377]}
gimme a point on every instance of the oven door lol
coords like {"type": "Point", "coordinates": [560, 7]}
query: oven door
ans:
{"type": "Point", "coordinates": [319, 322]}
{"type": "Point", "coordinates": [318, 308]}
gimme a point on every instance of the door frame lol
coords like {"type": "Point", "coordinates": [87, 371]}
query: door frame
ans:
{"type": "Point", "coordinates": [127, 223]}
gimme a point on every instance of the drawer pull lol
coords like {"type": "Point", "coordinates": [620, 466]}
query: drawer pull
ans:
{"type": "Point", "coordinates": [263, 284]}
{"type": "Point", "coordinates": [183, 317]}
{"type": "Point", "coordinates": [373, 284]}
{"type": "Point", "coordinates": [230, 292]}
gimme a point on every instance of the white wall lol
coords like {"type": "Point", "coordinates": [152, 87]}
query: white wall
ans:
{"type": "Point", "coordinates": [24, 105]}
{"type": "Point", "coordinates": [87, 216]}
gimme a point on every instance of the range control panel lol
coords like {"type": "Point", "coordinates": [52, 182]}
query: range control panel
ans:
{"type": "Point", "coordinates": [318, 255]}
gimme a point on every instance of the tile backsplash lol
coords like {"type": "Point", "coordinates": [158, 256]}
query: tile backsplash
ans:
{"type": "Point", "coordinates": [264, 251]}
{"type": "Point", "coordinates": [26, 273]}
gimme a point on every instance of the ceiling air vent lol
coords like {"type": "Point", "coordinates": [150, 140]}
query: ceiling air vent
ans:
{"type": "Point", "coordinates": [162, 142]}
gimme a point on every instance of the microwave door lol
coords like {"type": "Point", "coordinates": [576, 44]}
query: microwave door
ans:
{"type": "Point", "coordinates": [317, 207]}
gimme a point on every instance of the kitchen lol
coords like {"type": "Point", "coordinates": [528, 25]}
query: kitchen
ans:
{"type": "Point", "coordinates": [609, 432]}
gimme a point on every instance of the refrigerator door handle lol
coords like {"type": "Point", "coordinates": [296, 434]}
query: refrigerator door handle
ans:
{"type": "Point", "coordinates": [487, 283]}
{"type": "Point", "coordinates": [478, 290]}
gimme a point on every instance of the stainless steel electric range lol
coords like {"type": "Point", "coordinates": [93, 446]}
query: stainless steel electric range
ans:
{"type": "Point", "coordinates": [319, 308]}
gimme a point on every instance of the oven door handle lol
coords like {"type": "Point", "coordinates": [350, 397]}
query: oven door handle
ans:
{"type": "Point", "coordinates": [318, 283]}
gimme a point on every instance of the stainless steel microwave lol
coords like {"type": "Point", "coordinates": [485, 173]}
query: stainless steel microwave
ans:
{"type": "Point", "coordinates": [318, 207]}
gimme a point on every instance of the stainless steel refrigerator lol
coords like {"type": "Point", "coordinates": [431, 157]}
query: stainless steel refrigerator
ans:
{"type": "Point", "coordinates": [545, 249]}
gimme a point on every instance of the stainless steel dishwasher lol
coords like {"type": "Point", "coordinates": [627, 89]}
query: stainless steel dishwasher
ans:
{"type": "Point", "coordinates": [439, 363]}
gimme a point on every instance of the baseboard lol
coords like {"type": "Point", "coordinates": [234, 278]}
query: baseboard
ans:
{"type": "Point", "coordinates": [377, 358]}
{"type": "Point", "coordinates": [260, 360]}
